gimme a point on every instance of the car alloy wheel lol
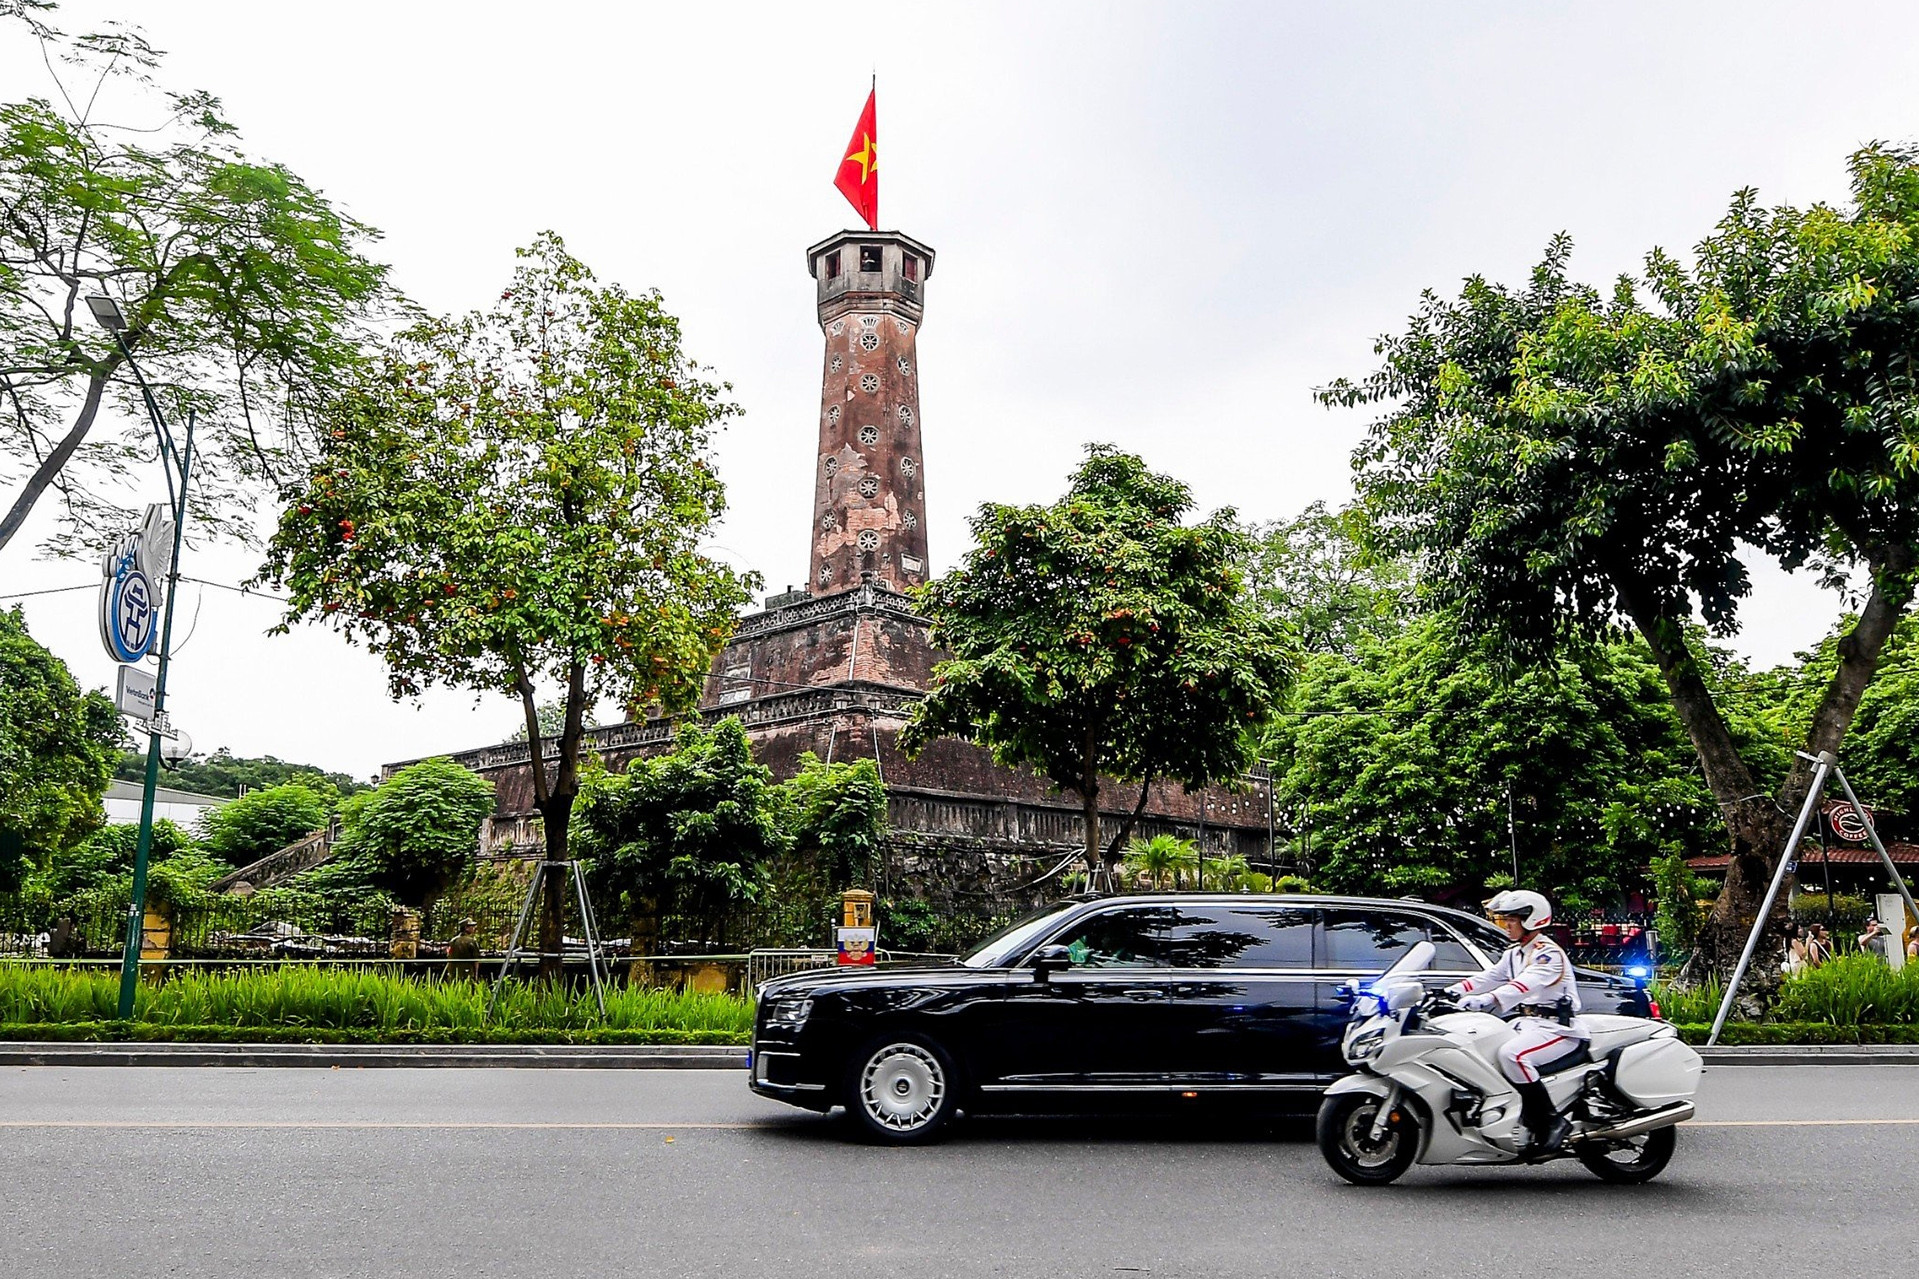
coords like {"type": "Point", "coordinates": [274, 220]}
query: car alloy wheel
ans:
{"type": "Point", "coordinates": [903, 1091]}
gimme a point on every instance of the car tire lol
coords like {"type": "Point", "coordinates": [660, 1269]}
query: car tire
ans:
{"type": "Point", "coordinates": [901, 1090]}
{"type": "Point", "coordinates": [1631, 1164]}
{"type": "Point", "coordinates": [1345, 1118]}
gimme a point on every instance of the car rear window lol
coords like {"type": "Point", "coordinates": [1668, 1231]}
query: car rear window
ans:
{"type": "Point", "coordinates": [1371, 941]}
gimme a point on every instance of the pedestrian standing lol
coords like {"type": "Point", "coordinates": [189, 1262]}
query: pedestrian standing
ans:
{"type": "Point", "coordinates": [463, 952]}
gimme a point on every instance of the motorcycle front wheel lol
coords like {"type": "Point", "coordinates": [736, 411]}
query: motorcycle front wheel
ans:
{"type": "Point", "coordinates": [1628, 1163]}
{"type": "Point", "coordinates": [1345, 1139]}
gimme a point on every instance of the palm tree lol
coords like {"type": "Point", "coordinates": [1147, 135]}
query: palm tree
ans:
{"type": "Point", "coordinates": [1227, 874]}
{"type": "Point", "coordinates": [1160, 860]}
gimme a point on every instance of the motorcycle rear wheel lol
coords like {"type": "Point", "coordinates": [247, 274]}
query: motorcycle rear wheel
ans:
{"type": "Point", "coordinates": [1634, 1162]}
{"type": "Point", "coordinates": [1344, 1131]}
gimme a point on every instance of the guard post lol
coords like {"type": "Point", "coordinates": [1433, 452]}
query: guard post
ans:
{"type": "Point", "coordinates": [858, 938]}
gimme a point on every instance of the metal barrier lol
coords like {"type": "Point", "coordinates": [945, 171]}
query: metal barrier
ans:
{"type": "Point", "coordinates": [764, 965]}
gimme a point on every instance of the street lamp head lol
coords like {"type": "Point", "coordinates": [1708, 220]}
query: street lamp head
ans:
{"type": "Point", "coordinates": [106, 313]}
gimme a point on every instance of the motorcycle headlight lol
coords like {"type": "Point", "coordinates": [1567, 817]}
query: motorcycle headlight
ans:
{"type": "Point", "coordinates": [1366, 1045]}
{"type": "Point", "coordinates": [790, 1013]}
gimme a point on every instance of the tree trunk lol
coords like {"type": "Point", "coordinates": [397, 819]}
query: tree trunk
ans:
{"type": "Point", "coordinates": [1758, 825]}
{"type": "Point", "coordinates": [1089, 799]}
{"type": "Point", "coordinates": [1126, 827]}
{"type": "Point", "coordinates": [558, 811]}
{"type": "Point", "coordinates": [1755, 828]}
{"type": "Point", "coordinates": [52, 464]}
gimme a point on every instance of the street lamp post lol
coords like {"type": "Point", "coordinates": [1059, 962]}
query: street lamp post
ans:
{"type": "Point", "coordinates": [177, 462]}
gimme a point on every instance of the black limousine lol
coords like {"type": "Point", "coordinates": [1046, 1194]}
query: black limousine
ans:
{"type": "Point", "coordinates": [1169, 995]}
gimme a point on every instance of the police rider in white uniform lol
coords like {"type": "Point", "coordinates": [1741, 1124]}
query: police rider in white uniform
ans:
{"type": "Point", "coordinates": [1535, 979]}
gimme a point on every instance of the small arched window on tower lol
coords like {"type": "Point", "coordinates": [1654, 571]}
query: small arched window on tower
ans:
{"type": "Point", "coordinates": [833, 265]}
{"type": "Point", "coordinates": [870, 259]}
{"type": "Point", "coordinates": [910, 266]}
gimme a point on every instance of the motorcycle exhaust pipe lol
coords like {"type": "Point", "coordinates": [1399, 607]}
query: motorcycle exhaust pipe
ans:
{"type": "Point", "coordinates": [1640, 1125]}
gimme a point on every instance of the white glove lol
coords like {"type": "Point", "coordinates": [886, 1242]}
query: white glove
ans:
{"type": "Point", "coordinates": [1479, 1003]}
{"type": "Point", "coordinates": [1457, 989]}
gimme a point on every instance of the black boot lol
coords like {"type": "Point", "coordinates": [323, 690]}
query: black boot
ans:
{"type": "Point", "coordinates": [1542, 1119]}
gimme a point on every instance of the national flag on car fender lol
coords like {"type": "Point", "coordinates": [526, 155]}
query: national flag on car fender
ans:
{"type": "Point", "coordinates": [859, 174]}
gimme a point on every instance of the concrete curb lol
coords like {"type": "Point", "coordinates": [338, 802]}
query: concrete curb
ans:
{"type": "Point", "coordinates": [1812, 1055]}
{"type": "Point", "coordinates": [418, 1056]}
{"type": "Point", "coordinates": [676, 1056]}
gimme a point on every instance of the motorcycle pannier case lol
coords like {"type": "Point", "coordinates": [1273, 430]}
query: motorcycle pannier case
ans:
{"type": "Point", "coordinates": [1657, 1072]}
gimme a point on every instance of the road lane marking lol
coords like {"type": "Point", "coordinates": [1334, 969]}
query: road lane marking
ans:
{"type": "Point", "coordinates": [356, 1123]}
{"type": "Point", "coordinates": [1791, 1123]}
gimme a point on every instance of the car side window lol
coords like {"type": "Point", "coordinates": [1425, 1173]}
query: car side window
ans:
{"type": "Point", "coordinates": [1119, 939]}
{"type": "Point", "coordinates": [1372, 941]}
{"type": "Point", "coordinates": [1239, 937]}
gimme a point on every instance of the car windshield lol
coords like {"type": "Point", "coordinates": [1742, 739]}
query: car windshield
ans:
{"type": "Point", "coordinates": [1014, 937]}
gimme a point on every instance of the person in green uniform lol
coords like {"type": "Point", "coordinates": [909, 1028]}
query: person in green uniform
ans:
{"type": "Point", "coordinates": [463, 952]}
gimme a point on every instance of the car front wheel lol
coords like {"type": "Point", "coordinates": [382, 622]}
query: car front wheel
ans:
{"type": "Point", "coordinates": [902, 1090]}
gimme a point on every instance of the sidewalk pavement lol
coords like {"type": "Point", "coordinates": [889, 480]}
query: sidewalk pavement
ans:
{"type": "Point", "coordinates": [540, 1056]}
{"type": "Point", "coordinates": [675, 1056]}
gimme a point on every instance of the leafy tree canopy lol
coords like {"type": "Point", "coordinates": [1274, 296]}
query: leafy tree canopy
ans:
{"type": "Point", "coordinates": [837, 814]}
{"type": "Point", "coordinates": [246, 292]}
{"type": "Point", "coordinates": [418, 830]}
{"type": "Point", "coordinates": [1316, 574]}
{"type": "Point", "coordinates": [57, 747]}
{"type": "Point", "coordinates": [1560, 460]}
{"type": "Point", "coordinates": [1102, 635]}
{"type": "Point", "coordinates": [225, 775]}
{"type": "Point", "coordinates": [263, 821]}
{"type": "Point", "coordinates": [1399, 764]}
{"type": "Point", "coordinates": [684, 834]}
{"type": "Point", "coordinates": [515, 500]}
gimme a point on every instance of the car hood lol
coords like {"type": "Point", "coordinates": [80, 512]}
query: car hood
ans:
{"type": "Point", "coordinates": [816, 981]}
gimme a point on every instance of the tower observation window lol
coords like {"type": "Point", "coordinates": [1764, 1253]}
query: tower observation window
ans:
{"type": "Point", "coordinates": [869, 257]}
{"type": "Point", "coordinates": [910, 266]}
{"type": "Point", "coordinates": [832, 265]}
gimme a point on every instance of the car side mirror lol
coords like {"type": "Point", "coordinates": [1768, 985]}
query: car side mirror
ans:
{"type": "Point", "coordinates": [1048, 960]}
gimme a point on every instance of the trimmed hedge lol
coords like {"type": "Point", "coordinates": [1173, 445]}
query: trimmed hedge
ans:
{"type": "Point", "coordinates": [1742, 1033]}
{"type": "Point", "coordinates": [146, 1032]}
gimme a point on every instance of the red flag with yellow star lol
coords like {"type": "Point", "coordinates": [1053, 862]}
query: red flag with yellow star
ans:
{"type": "Point", "coordinates": [859, 176]}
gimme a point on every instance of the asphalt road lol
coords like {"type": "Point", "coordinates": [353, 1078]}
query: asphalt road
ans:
{"type": "Point", "coordinates": [264, 1173]}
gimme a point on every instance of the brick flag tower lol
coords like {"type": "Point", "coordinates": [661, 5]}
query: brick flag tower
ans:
{"type": "Point", "coordinates": [869, 488]}
{"type": "Point", "coordinates": [835, 668]}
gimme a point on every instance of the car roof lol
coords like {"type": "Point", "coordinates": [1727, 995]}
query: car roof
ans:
{"type": "Point", "coordinates": [1269, 899]}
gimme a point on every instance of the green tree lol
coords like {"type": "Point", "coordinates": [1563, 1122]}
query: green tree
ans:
{"type": "Point", "coordinates": [108, 854]}
{"type": "Point", "coordinates": [836, 815]}
{"type": "Point", "coordinates": [1161, 860]}
{"type": "Point", "coordinates": [245, 291]}
{"type": "Point", "coordinates": [686, 834]}
{"type": "Point", "coordinates": [263, 821]}
{"type": "Point", "coordinates": [57, 746]}
{"type": "Point", "coordinates": [517, 499]}
{"type": "Point", "coordinates": [226, 775]}
{"type": "Point", "coordinates": [1315, 574]}
{"type": "Point", "coordinates": [1420, 764]}
{"type": "Point", "coordinates": [1561, 461]}
{"type": "Point", "coordinates": [418, 829]}
{"type": "Point", "coordinates": [1102, 636]}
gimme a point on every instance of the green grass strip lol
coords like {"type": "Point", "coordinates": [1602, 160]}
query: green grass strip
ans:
{"type": "Point", "coordinates": [141, 1032]}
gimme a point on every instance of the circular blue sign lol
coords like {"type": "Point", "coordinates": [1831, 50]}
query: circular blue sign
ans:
{"type": "Point", "coordinates": [128, 615]}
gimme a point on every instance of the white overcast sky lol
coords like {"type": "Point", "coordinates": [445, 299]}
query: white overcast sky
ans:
{"type": "Point", "coordinates": [1158, 225]}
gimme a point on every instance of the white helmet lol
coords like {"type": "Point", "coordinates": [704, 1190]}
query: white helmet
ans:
{"type": "Point", "coordinates": [1530, 908]}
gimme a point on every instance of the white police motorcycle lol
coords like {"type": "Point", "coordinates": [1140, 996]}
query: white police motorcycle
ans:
{"type": "Point", "coordinates": [1426, 1087]}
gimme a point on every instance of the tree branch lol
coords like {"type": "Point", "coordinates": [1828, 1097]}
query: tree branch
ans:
{"type": "Point", "coordinates": [50, 466]}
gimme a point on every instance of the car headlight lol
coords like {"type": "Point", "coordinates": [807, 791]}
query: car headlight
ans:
{"type": "Point", "coordinates": [1366, 1045]}
{"type": "Point", "coordinates": [790, 1013]}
